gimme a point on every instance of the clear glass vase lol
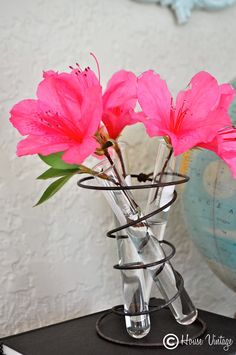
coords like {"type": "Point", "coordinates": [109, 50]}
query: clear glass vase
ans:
{"type": "Point", "coordinates": [135, 293]}
{"type": "Point", "coordinates": [145, 244]}
{"type": "Point", "coordinates": [163, 172]}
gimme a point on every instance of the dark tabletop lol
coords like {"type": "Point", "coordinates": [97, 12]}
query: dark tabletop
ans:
{"type": "Point", "coordinates": [79, 337]}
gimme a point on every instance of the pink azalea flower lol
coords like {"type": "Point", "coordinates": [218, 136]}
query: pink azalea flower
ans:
{"type": "Point", "coordinates": [199, 112]}
{"type": "Point", "coordinates": [224, 145]}
{"type": "Point", "coordinates": [119, 101]}
{"type": "Point", "coordinates": [63, 118]}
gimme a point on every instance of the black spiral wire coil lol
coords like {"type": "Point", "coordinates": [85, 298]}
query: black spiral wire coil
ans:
{"type": "Point", "coordinates": [119, 309]}
{"type": "Point", "coordinates": [1, 349]}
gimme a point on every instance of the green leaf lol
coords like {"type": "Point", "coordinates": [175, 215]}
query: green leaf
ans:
{"type": "Point", "coordinates": [55, 161]}
{"type": "Point", "coordinates": [52, 189]}
{"type": "Point", "coordinates": [53, 173]}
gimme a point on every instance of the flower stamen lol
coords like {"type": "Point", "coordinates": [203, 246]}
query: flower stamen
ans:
{"type": "Point", "coordinates": [98, 67]}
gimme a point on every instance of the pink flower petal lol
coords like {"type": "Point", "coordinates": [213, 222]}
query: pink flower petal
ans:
{"type": "Point", "coordinates": [78, 153]}
{"type": "Point", "coordinates": [121, 91]}
{"type": "Point", "coordinates": [201, 97]}
{"type": "Point", "coordinates": [91, 110]}
{"type": "Point", "coordinates": [119, 101]}
{"type": "Point", "coordinates": [152, 128]}
{"type": "Point", "coordinates": [41, 145]}
{"type": "Point", "coordinates": [227, 94]}
{"type": "Point", "coordinates": [62, 94]}
{"type": "Point", "coordinates": [231, 162]}
{"type": "Point", "coordinates": [86, 78]}
{"type": "Point", "coordinates": [154, 98]}
{"type": "Point", "coordinates": [200, 111]}
{"type": "Point", "coordinates": [115, 120]}
{"type": "Point", "coordinates": [65, 116]}
{"type": "Point", "coordinates": [201, 132]}
{"type": "Point", "coordinates": [24, 117]}
{"type": "Point", "coordinates": [224, 145]}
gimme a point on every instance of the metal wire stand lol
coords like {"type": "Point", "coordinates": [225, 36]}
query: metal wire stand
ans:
{"type": "Point", "coordinates": [103, 328]}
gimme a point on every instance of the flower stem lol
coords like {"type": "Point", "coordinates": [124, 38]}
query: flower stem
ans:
{"type": "Point", "coordinates": [126, 193]}
{"type": "Point", "coordinates": [162, 173]}
{"type": "Point", "coordinates": [101, 175]}
{"type": "Point", "coordinates": [118, 151]}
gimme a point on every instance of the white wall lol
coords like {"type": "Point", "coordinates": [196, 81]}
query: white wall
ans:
{"type": "Point", "coordinates": [55, 262]}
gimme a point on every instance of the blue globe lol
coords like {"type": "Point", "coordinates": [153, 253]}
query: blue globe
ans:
{"type": "Point", "coordinates": [209, 206]}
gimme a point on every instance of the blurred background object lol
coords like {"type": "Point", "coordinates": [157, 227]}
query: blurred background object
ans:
{"type": "Point", "coordinates": [209, 207]}
{"type": "Point", "coordinates": [183, 8]}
